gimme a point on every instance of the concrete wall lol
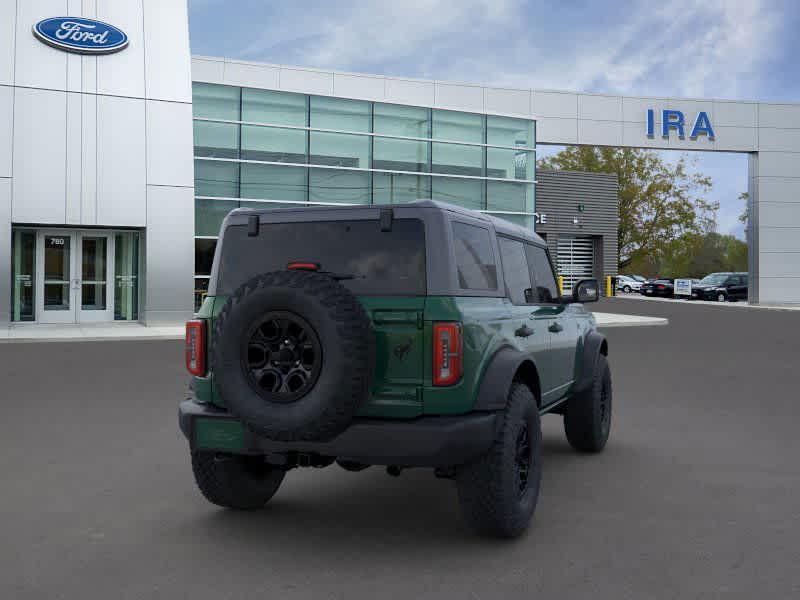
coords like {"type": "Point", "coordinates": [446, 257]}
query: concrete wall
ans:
{"type": "Point", "coordinates": [558, 194]}
{"type": "Point", "coordinates": [770, 130]}
{"type": "Point", "coordinates": [95, 140]}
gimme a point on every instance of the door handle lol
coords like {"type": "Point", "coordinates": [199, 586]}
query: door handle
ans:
{"type": "Point", "coordinates": [555, 327]}
{"type": "Point", "coordinates": [523, 332]}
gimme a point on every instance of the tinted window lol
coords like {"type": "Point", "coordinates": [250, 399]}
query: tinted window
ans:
{"type": "Point", "coordinates": [474, 257]}
{"type": "Point", "coordinates": [382, 263]}
{"type": "Point", "coordinates": [515, 270]}
{"type": "Point", "coordinates": [546, 289]}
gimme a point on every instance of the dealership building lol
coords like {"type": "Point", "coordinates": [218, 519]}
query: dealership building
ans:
{"type": "Point", "coordinates": [120, 154]}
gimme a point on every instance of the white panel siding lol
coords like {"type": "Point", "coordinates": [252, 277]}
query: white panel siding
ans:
{"type": "Point", "coordinates": [89, 160]}
{"type": "Point", "coordinates": [206, 69]}
{"type": "Point", "coordinates": [5, 249]}
{"type": "Point", "coordinates": [407, 91]}
{"type": "Point", "coordinates": [74, 159]}
{"type": "Point", "coordinates": [779, 115]}
{"type": "Point", "coordinates": [599, 108]}
{"type": "Point", "coordinates": [250, 75]}
{"type": "Point", "coordinates": [122, 73]}
{"type": "Point", "coordinates": [6, 127]}
{"type": "Point", "coordinates": [601, 133]}
{"type": "Point", "coordinates": [778, 164]}
{"type": "Point", "coordinates": [555, 104]}
{"type": "Point", "coordinates": [780, 140]}
{"type": "Point", "coordinates": [306, 81]}
{"type": "Point", "coordinates": [169, 254]}
{"type": "Point", "coordinates": [557, 131]}
{"type": "Point", "coordinates": [169, 144]}
{"type": "Point", "coordinates": [120, 161]}
{"type": "Point", "coordinates": [738, 139]}
{"type": "Point", "coordinates": [735, 114]}
{"type": "Point", "coordinates": [779, 290]}
{"type": "Point", "coordinates": [778, 189]}
{"type": "Point", "coordinates": [779, 239]}
{"type": "Point", "coordinates": [8, 23]}
{"type": "Point", "coordinates": [510, 102]}
{"type": "Point", "coordinates": [37, 64]}
{"type": "Point", "coordinates": [166, 38]}
{"type": "Point", "coordinates": [39, 156]}
{"type": "Point", "coordinates": [463, 97]}
{"type": "Point", "coordinates": [779, 264]}
{"type": "Point", "coordinates": [356, 86]}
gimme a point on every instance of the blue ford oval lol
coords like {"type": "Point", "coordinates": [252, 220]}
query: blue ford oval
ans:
{"type": "Point", "coordinates": [84, 36]}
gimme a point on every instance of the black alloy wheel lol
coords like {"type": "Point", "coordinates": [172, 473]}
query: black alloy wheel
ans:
{"type": "Point", "coordinates": [283, 356]}
{"type": "Point", "coordinates": [523, 459]}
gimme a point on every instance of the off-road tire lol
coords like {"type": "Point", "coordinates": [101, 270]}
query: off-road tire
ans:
{"type": "Point", "coordinates": [235, 481]}
{"type": "Point", "coordinates": [347, 342]}
{"type": "Point", "coordinates": [587, 415]}
{"type": "Point", "coordinates": [489, 489]}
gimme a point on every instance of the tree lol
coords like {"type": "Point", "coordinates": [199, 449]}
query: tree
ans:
{"type": "Point", "coordinates": [659, 202]}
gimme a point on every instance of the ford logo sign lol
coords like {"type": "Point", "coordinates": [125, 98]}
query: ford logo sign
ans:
{"type": "Point", "coordinates": [84, 36]}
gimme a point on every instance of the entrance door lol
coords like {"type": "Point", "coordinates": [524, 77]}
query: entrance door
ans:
{"type": "Point", "coordinates": [575, 260]}
{"type": "Point", "coordinates": [74, 271]}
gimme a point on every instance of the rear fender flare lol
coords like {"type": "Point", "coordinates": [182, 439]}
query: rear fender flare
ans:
{"type": "Point", "coordinates": [499, 375]}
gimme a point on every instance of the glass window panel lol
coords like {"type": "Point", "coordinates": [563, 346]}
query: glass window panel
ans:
{"type": "Point", "coordinates": [274, 182]}
{"type": "Point", "coordinates": [457, 159]}
{"type": "Point", "coordinates": [392, 188]}
{"type": "Point", "coordinates": [203, 256]}
{"type": "Point", "coordinates": [215, 101]}
{"type": "Point", "coordinates": [509, 164]}
{"type": "Point", "coordinates": [93, 273]}
{"type": "Point", "coordinates": [525, 221]}
{"type": "Point", "coordinates": [281, 108]}
{"type": "Point", "coordinates": [200, 292]}
{"type": "Point", "coordinates": [337, 113]}
{"type": "Point", "coordinates": [474, 257]}
{"type": "Point", "coordinates": [457, 126]}
{"type": "Point", "coordinates": [274, 144]}
{"type": "Point", "coordinates": [463, 192]}
{"type": "Point", "coordinates": [126, 276]}
{"type": "Point", "coordinates": [261, 205]}
{"type": "Point", "coordinates": [507, 131]}
{"type": "Point", "coordinates": [208, 215]}
{"type": "Point", "coordinates": [213, 178]}
{"type": "Point", "coordinates": [515, 270]}
{"type": "Point", "coordinates": [502, 195]}
{"type": "Point", "coordinates": [542, 274]}
{"type": "Point", "coordinates": [220, 140]}
{"type": "Point", "coordinates": [339, 150]}
{"type": "Point", "coordinates": [56, 272]}
{"type": "Point", "coordinates": [407, 121]}
{"type": "Point", "coordinates": [400, 155]}
{"type": "Point", "coordinates": [23, 259]}
{"type": "Point", "coordinates": [338, 185]}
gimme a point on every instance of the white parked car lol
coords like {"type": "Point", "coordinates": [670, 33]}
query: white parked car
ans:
{"type": "Point", "coordinates": [628, 284]}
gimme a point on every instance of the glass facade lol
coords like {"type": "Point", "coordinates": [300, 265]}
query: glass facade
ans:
{"type": "Point", "coordinates": [270, 148]}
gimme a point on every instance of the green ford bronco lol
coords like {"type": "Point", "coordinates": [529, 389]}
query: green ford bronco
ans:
{"type": "Point", "coordinates": [416, 335]}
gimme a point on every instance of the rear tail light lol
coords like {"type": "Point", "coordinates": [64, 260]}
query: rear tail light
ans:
{"type": "Point", "coordinates": [196, 347]}
{"type": "Point", "coordinates": [303, 266]}
{"type": "Point", "coordinates": [661, 287]}
{"type": "Point", "coordinates": [447, 353]}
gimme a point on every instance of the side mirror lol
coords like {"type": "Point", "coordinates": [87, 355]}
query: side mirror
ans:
{"type": "Point", "coordinates": [586, 290]}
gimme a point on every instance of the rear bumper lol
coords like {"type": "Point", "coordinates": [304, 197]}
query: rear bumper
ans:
{"type": "Point", "coordinates": [421, 442]}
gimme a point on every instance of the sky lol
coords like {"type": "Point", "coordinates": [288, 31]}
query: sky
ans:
{"type": "Point", "coordinates": [732, 49]}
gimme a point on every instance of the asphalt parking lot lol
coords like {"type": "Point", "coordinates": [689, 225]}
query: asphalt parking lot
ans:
{"type": "Point", "coordinates": [696, 496]}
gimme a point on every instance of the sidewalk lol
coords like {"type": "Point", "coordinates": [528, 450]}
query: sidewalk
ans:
{"type": "Point", "coordinates": [22, 332]}
{"type": "Point", "coordinates": [738, 304]}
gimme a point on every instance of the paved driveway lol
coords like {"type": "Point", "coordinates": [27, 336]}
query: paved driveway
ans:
{"type": "Point", "coordinates": [697, 495]}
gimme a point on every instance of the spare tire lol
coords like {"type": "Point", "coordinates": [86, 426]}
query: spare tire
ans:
{"type": "Point", "coordinates": [292, 355]}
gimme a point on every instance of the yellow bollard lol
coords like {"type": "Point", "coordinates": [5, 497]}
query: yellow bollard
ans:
{"type": "Point", "coordinates": [561, 285]}
{"type": "Point", "coordinates": [608, 286]}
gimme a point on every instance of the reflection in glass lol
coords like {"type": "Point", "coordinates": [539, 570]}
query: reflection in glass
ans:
{"type": "Point", "coordinates": [126, 276]}
{"type": "Point", "coordinates": [273, 144]}
{"type": "Point", "coordinates": [280, 108]}
{"type": "Point", "coordinates": [509, 164]}
{"type": "Point", "coordinates": [339, 150]}
{"type": "Point", "coordinates": [406, 121]}
{"type": "Point", "coordinates": [23, 259]}
{"type": "Point", "coordinates": [507, 131]}
{"type": "Point", "coordinates": [273, 182]}
{"type": "Point", "coordinates": [216, 178]}
{"type": "Point", "coordinates": [215, 101]}
{"type": "Point", "coordinates": [463, 192]}
{"type": "Point", "coordinates": [218, 140]}
{"type": "Point", "coordinates": [457, 159]}
{"type": "Point", "coordinates": [208, 215]}
{"type": "Point", "coordinates": [56, 272]}
{"type": "Point", "coordinates": [400, 155]}
{"type": "Point", "coordinates": [393, 188]}
{"type": "Point", "coordinates": [516, 197]}
{"type": "Point", "coordinates": [93, 273]}
{"type": "Point", "coordinates": [338, 185]}
{"type": "Point", "coordinates": [457, 126]}
{"type": "Point", "coordinates": [337, 113]}
{"type": "Point", "coordinates": [204, 256]}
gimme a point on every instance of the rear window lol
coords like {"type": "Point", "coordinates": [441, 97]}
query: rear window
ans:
{"type": "Point", "coordinates": [382, 262]}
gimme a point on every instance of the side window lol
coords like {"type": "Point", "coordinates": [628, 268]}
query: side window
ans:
{"type": "Point", "coordinates": [515, 271]}
{"type": "Point", "coordinates": [545, 287]}
{"type": "Point", "coordinates": [474, 257]}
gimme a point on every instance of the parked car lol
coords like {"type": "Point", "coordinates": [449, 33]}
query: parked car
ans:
{"type": "Point", "coordinates": [664, 288]}
{"type": "Point", "coordinates": [628, 284]}
{"type": "Point", "coordinates": [722, 287]}
{"type": "Point", "coordinates": [324, 329]}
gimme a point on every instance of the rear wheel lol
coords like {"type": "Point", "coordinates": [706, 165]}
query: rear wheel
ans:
{"type": "Point", "coordinates": [498, 492]}
{"type": "Point", "coordinates": [587, 416]}
{"type": "Point", "coordinates": [721, 297]}
{"type": "Point", "coordinates": [627, 289]}
{"type": "Point", "coordinates": [235, 481]}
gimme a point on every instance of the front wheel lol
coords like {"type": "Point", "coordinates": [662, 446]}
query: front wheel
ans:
{"type": "Point", "coordinates": [721, 297]}
{"type": "Point", "coordinates": [235, 481]}
{"type": "Point", "coordinates": [627, 289]}
{"type": "Point", "coordinates": [498, 492]}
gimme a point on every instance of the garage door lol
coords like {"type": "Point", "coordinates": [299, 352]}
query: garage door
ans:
{"type": "Point", "coordinates": [575, 260]}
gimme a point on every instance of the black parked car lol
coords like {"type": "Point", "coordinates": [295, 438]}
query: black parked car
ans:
{"type": "Point", "coordinates": [663, 288]}
{"type": "Point", "coordinates": [721, 287]}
